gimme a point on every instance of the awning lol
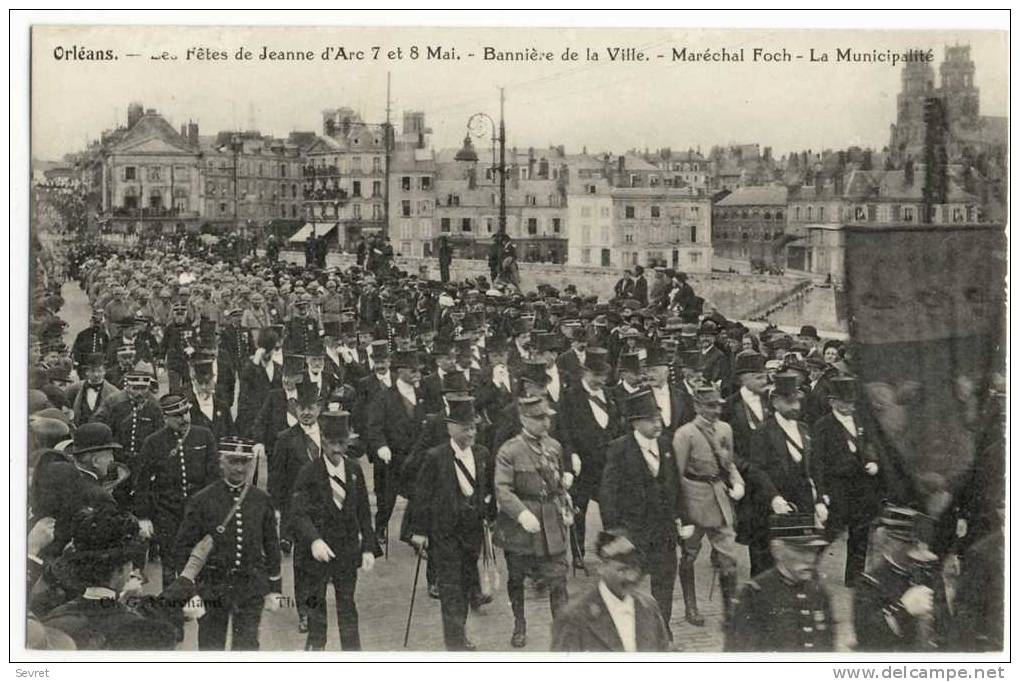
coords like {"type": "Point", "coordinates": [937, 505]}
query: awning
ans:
{"type": "Point", "coordinates": [320, 229]}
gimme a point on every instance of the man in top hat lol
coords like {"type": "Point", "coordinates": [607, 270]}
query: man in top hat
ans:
{"type": "Point", "coordinates": [589, 421]}
{"type": "Point", "coordinates": [894, 600]}
{"type": "Point", "coordinates": [670, 400]}
{"type": "Point", "coordinates": [444, 355]}
{"type": "Point", "coordinates": [260, 374]}
{"type": "Point", "coordinates": [688, 376]}
{"type": "Point", "coordinates": [535, 511]}
{"type": "Point", "coordinates": [315, 365]}
{"type": "Point", "coordinates": [333, 367]}
{"type": "Point", "coordinates": [242, 574]}
{"type": "Point", "coordinates": [395, 419]}
{"type": "Point", "coordinates": [454, 497]}
{"type": "Point", "coordinates": [546, 346]}
{"type": "Point", "coordinates": [615, 615]}
{"type": "Point", "coordinates": [782, 451]}
{"type": "Point", "coordinates": [786, 608]}
{"type": "Point", "coordinates": [92, 339]}
{"type": "Point", "coordinates": [520, 342]}
{"type": "Point", "coordinates": [174, 463]}
{"type": "Point", "coordinates": [715, 365]}
{"type": "Point", "coordinates": [209, 407]}
{"type": "Point", "coordinates": [378, 378]}
{"type": "Point", "coordinates": [571, 362]}
{"type": "Point", "coordinates": [237, 340]}
{"type": "Point", "coordinates": [354, 359]}
{"type": "Point", "coordinates": [90, 395]}
{"type": "Point", "coordinates": [640, 492]}
{"type": "Point", "coordinates": [631, 372]}
{"type": "Point", "coordinates": [495, 388]}
{"type": "Point", "coordinates": [331, 522]}
{"type": "Point", "coordinates": [709, 485]}
{"type": "Point", "coordinates": [849, 460]}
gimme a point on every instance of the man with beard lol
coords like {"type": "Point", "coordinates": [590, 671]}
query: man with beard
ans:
{"type": "Point", "coordinates": [175, 463]}
{"type": "Point", "coordinates": [394, 422]}
{"type": "Point", "coordinates": [850, 465]}
{"type": "Point", "coordinates": [782, 451]}
{"type": "Point", "coordinates": [332, 526]}
{"type": "Point", "coordinates": [709, 485]}
{"type": "Point", "coordinates": [453, 503]}
{"type": "Point", "coordinates": [669, 399]}
{"type": "Point", "coordinates": [89, 396]}
{"type": "Point", "coordinates": [640, 493]}
{"type": "Point", "coordinates": [615, 615]}
{"type": "Point", "coordinates": [786, 608]}
{"type": "Point", "coordinates": [380, 378]}
{"type": "Point", "coordinates": [118, 363]}
{"type": "Point", "coordinates": [278, 411]}
{"type": "Point", "coordinates": [715, 364]}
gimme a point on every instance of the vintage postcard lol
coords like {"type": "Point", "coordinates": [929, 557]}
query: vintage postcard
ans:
{"type": "Point", "coordinates": [521, 341]}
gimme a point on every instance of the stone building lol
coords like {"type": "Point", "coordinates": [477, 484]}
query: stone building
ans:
{"type": "Point", "coordinates": [750, 224]}
{"type": "Point", "coordinates": [412, 195]}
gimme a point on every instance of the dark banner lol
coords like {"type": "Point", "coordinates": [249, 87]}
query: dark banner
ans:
{"type": "Point", "coordinates": [927, 310]}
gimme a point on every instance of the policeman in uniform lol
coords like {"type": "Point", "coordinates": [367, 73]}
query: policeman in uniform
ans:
{"type": "Point", "coordinates": [133, 417]}
{"type": "Point", "coordinates": [786, 608]}
{"type": "Point", "coordinates": [242, 575]}
{"type": "Point", "coordinates": [175, 462]}
{"type": "Point", "coordinates": [894, 601]}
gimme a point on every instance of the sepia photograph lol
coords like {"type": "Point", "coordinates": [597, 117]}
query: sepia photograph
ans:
{"type": "Point", "coordinates": [464, 340]}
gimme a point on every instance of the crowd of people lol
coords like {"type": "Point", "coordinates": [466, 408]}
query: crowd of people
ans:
{"type": "Point", "coordinates": [215, 414]}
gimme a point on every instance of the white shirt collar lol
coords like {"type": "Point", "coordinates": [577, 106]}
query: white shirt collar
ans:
{"type": "Point", "coordinates": [338, 470]}
{"type": "Point", "coordinates": [465, 454]}
{"type": "Point", "coordinates": [847, 420]}
{"type": "Point", "coordinates": [622, 613]}
{"type": "Point", "coordinates": [407, 390]}
{"type": "Point", "coordinates": [753, 401]}
{"type": "Point", "coordinates": [790, 427]}
{"type": "Point", "coordinates": [627, 387]}
{"type": "Point", "coordinates": [590, 390]}
{"type": "Point", "coordinates": [647, 443]}
{"type": "Point", "coordinates": [312, 431]}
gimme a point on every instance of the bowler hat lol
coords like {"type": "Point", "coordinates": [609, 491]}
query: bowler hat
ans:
{"type": "Point", "coordinates": [641, 405]}
{"type": "Point", "coordinates": [335, 425]}
{"type": "Point", "coordinates": [809, 331]}
{"type": "Point", "coordinates": [749, 362]}
{"type": "Point", "coordinates": [93, 436]}
{"type": "Point", "coordinates": [462, 411]}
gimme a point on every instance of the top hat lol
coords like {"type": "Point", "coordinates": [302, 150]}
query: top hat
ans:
{"type": "Point", "coordinates": [407, 359]}
{"type": "Point", "coordinates": [748, 362]}
{"type": "Point", "coordinates": [534, 371]}
{"type": "Point", "coordinates": [809, 331]}
{"type": "Point", "coordinates": [335, 425]}
{"type": "Point", "coordinates": [380, 350]}
{"type": "Point", "coordinates": [455, 382]}
{"type": "Point", "coordinates": [641, 405]}
{"type": "Point", "coordinates": [846, 389]}
{"type": "Point", "coordinates": [692, 359]}
{"type": "Point", "coordinates": [93, 436]}
{"type": "Point", "coordinates": [307, 394]}
{"type": "Point", "coordinates": [796, 528]}
{"type": "Point", "coordinates": [314, 348]}
{"type": "Point", "coordinates": [596, 360]}
{"type": "Point", "coordinates": [331, 328]}
{"type": "Point", "coordinates": [462, 410]}
{"type": "Point", "coordinates": [547, 341]}
{"type": "Point", "coordinates": [534, 407]}
{"type": "Point", "coordinates": [787, 385]}
{"type": "Point", "coordinates": [93, 360]}
{"type": "Point", "coordinates": [442, 347]}
{"type": "Point", "coordinates": [521, 326]}
{"type": "Point", "coordinates": [656, 356]}
{"type": "Point", "coordinates": [293, 365]}
{"type": "Point", "coordinates": [496, 344]}
{"type": "Point", "coordinates": [173, 405]}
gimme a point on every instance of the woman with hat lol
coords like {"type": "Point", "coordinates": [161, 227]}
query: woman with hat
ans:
{"type": "Point", "coordinates": [454, 498]}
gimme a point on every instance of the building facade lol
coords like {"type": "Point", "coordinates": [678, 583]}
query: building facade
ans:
{"type": "Point", "coordinates": [750, 224]}
{"type": "Point", "coordinates": [412, 195]}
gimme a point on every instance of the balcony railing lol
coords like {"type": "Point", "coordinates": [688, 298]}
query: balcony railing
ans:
{"type": "Point", "coordinates": [333, 171]}
{"type": "Point", "coordinates": [162, 212]}
{"type": "Point", "coordinates": [325, 194]}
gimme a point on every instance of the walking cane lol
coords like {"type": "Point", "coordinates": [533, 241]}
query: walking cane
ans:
{"type": "Point", "coordinates": [414, 591]}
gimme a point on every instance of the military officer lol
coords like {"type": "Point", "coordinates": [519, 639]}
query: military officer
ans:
{"type": "Point", "coordinates": [133, 417]}
{"type": "Point", "coordinates": [786, 608]}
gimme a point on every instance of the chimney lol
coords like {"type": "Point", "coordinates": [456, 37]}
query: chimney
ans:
{"type": "Point", "coordinates": [543, 169]}
{"type": "Point", "coordinates": [193, 133]}
{"type": "Point", "coordinates": [621, 164]}
{"type": "Point", "coordinates": [908, 173]}
{"type": "Point", "coordinates": [837, 188]}
{"type": "Point", "coordinates": [819, 183]}
{"type": "Point", "coordinates": [135, 112]}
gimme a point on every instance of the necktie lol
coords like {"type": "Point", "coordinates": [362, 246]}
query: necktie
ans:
{"type": "Point", "coordinates": [653, 462]}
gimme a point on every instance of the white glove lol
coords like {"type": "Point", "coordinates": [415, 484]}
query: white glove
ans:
{"type": "Point", "coordinates": [419, 541]}
{"type": "Point", "coordinates": [259, 450]}
{"type": "Point", "coordinates": [367, 561]}
{"type": "Point", "coordinates": [737, 491]}
{"type": "Point", "coordinates": [568, 479]}
{"type": "Point", "coordinates": [277, 521]}
{"type": "Point", "coordinates": [871, 468]}
{"type": "Point", "coordinates": [821, 512]}
{"type": "Point", "coordinates": [684, 531]}
{"type": "Point", "coordinates": [961, 528]}
{"type": "Point", "coordinates": [133, 587]}
{"type": "Point", "coordinates": [272, 602]}
{"type": "Point", "coordinates": [194, 609]}
{"type": "Point", "coordinates": [781, 506]}
{"type": "Point", "coordinates": [384, 454]}
{"type": "Point", "coordinates": [528, 521]}
{"type": "Point", "coordinates": [145, 528]}
{"type": "Point", "coordinates": [41, 535]}
{"type": "Point", "coordinates": [321, 551]}
{"type": "Point", "coordinates": [575, 463]}
{"type": "Point", "coordinates": [918, 600]}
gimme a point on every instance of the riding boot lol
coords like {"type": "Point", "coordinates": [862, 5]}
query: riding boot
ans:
{"type": "Point", "coordinates": [690, 593]}
{"type": "Point", "coordinates": [557, 596]}
{"type": "Point", "coordinates": [520, 634]}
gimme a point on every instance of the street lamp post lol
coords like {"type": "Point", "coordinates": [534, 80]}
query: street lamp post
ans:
{"type": "Point", "coordinates": [475, 127]}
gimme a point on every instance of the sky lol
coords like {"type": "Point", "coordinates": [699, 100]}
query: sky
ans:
{"type": "Point", "coordinates": [604, 105]}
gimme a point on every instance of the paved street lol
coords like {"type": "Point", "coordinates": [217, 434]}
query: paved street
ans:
{"type": "Point", "coordinates": [384, 594]}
